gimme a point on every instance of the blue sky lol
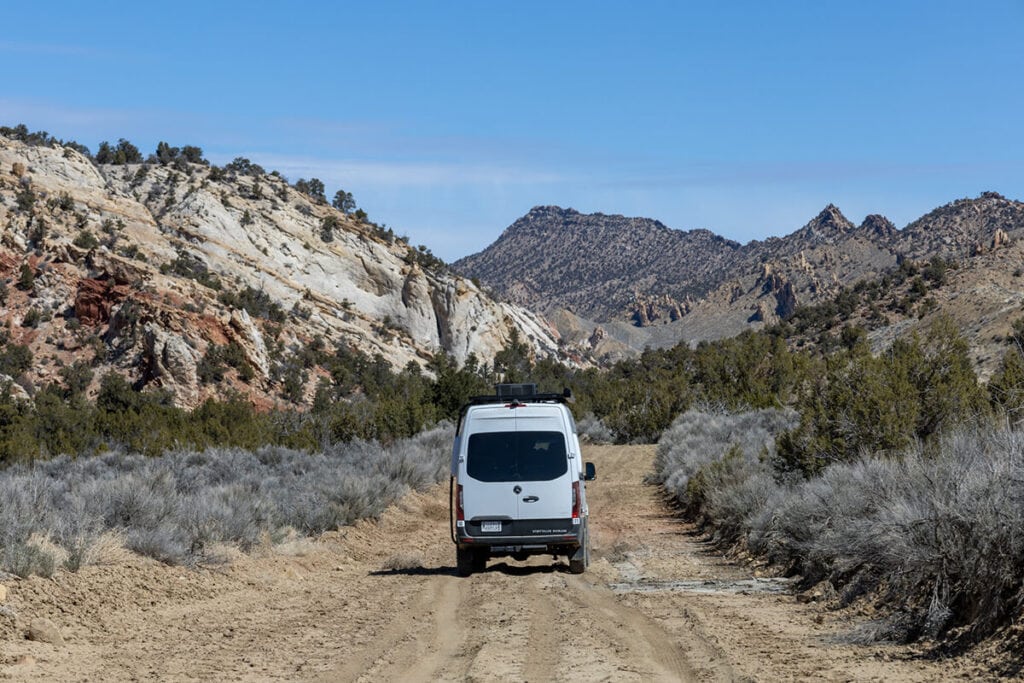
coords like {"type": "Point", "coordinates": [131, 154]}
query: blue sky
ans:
{"type": "Point", "coordinates": [448, 121]}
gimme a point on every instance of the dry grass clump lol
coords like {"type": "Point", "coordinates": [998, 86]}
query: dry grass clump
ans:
{"type": "Point", "coordinates": [403, 562]}
{"type": "Point", "coordinates": [592, 429]}
{"type": "Point", "coordinates": [181, 507]}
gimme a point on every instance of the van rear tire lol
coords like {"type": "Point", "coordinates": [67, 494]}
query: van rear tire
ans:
{"type": "Point", "coordinates": [479, 559]}
{"type": "Point", "coordinates": [465, 561]}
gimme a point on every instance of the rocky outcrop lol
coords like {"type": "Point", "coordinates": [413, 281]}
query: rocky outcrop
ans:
{"type": "Point", "coordinates": [246, 334]}
{"type": "Point", "coordinates": [650, 310]}
{"type": "Point", "coordinates": [95, 298]}
{"type": "Point", "coordinates": [1000, 239]}
{"type": "Point", "coordinates": [13, 389]}
{"type": "Point", "coordinates": [785, 299]}
{"type": "Point", "coordinates": [161, 262]}
{"type": "Point", "coordinates": [170, 364]}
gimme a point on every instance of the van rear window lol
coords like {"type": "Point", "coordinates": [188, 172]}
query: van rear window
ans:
{"type": "Point", "coordinates": [516, 456]}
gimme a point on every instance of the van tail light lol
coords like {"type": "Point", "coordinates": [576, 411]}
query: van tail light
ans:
{"type": "Point", "coordinates": [575, 500]}
{"type": "Point", "coordinates": [460, 512]}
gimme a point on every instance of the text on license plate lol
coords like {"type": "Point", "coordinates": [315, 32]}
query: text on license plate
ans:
{"type": "Point", "coordinates": [490, 526]}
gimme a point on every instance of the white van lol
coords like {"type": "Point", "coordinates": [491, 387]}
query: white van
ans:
{"type": "Point", "coordinates": [518, 480]}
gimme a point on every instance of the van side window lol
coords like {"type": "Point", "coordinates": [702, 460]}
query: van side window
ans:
{"type": "Point", "coordinates": [516, 456]}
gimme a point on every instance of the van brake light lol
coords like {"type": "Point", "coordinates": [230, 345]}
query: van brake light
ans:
{"type": "Point", "coordinates": [575, 500]}
{"type": "Point", "coordinates": [460, 512]}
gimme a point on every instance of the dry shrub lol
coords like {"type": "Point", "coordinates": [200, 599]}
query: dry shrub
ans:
{"type": "Point", "coordinates": [935, 534]}
{"type": "Point", "coordinates": [403, 562]}
{"type": "Point", "coordinates": [184, 506]}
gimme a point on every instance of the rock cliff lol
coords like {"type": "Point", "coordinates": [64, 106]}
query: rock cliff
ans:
{"type": "Point", "coordinates": [144, 267]}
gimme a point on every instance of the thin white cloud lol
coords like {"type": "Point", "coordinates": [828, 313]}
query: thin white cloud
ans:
{"type": "Point", "coordinates": [410, 174]}
{"type": "Point", "coordinates": [29, 48]}
{"type": "Point", "coordinates": [745, 174]}
{"type": "Point", "coordinates": [61, 119]}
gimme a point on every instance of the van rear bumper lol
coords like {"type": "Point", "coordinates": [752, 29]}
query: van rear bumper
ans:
{"type": "Point", "coordinates": [538, 535]}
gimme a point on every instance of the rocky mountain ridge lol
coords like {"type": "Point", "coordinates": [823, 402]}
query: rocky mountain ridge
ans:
{"type": "Point", "coordinates": [705, 287]}
{"type": "Point", "coordinates": [146, 267]}
{"type": "Point", "coordinates": [590, 264]}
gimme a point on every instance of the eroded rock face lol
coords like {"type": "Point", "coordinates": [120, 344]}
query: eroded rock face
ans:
{"type": "Point", "coordinates": [1000, 239]}
{"type": "Point", "coordinates": [95, 298]}
{"type": "Point", "coordinates": [785, 299]}
{"type": "Point", "coordinates": [171, 364]}
{"type": "Point", "coordinates": [167, 245]}
{"type": "Point", "coordinates": [249, 337]}
{"type": "Point", "coordinates": [648, 310]}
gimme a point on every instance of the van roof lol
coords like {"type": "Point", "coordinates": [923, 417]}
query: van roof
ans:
{"type": "Point", "coordinates": [514, 396]}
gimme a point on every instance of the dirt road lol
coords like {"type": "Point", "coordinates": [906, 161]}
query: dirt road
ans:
{"type": "Point", "coordinates": [381, 602]}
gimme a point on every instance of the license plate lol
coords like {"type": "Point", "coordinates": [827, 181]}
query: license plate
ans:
{"type": "Point", "coordinates": [490, 527]}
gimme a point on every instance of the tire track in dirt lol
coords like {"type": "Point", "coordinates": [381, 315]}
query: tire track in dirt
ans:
{"type": "Point", "coordinates": [416, 643]}
{"type": "Point", "coordinates": [632, 632]}
{"type": "Point", "coordinates": [543, 648]}
{"type": "Point", "coordinates": [441, 648]}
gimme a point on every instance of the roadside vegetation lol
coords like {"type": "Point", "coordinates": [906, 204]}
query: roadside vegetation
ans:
{"type": "Point", "coordinates": [932, 534]}
{"type": "Point", "coordinates": [898, 479]}
{"type": "Point", "coordinates": [185, 506]}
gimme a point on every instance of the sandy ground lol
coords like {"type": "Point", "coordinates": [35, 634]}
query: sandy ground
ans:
{"type": "Point", "coordinates": [381, 602]}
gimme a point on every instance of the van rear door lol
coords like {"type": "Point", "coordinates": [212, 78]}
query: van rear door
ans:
{"type": "Point", "coordinates": [489, 504]}
{"type": "Point", "coordinates": [544, 464]}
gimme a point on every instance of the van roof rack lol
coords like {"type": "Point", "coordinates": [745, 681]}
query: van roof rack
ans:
{"type": "Point", "coordinates": [520, 393]}
{"type": "Point", "coordinates": [513, 393]}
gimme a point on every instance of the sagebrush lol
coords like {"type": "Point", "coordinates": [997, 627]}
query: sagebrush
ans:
{"type": "Point", "coordinates": [177, 507]}
{"type": "Point", "coordinates": [935, 533]}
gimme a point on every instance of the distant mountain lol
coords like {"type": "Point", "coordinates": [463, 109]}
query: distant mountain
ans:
{"type": "Point", "coordinates": [597, 265]}
{"type": "Point", "coordinates": [156, 269]}
{"type": "Point", "coordinates": [961, 228]}
{"type": "Point", "coordinates": [617, 284]}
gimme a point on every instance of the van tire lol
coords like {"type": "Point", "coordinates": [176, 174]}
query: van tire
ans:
{"type": "Point", "coordinates": [465, 561]}
{"type": "Point", "coordinates": [479, 560]}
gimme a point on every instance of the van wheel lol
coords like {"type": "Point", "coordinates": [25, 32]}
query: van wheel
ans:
{"type": "Point", "coordinates": [479, 560]}
{"type": "Point", "coordinates": [465, 561]}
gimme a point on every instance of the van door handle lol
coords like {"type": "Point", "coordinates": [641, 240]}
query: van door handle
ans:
{"type": "Point", "coordinates": [530, 499]}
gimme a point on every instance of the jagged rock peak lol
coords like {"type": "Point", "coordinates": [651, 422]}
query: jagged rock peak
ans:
{"type": "Point", "coordinates": [878, 226]}
{"type": "Point", "coordinates": [832, 218]}
{"type": "Point", "coordinates": [827, 225]}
